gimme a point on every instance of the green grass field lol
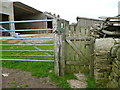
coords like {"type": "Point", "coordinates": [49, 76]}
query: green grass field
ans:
{"type": "Point", "coordinates": [38, 69]}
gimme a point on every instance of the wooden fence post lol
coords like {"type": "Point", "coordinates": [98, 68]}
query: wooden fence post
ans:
{"type": "Point", "coordinates": [59, 44]}
{"type": "Point", "coordinates": [92, 41]}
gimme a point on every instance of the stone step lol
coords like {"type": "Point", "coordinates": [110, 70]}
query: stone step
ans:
{"type": "Point", "coordinates": [80, 83]}
{"type": "Point", "coordinates": [80, 76]}
{"type": "Point", "coordinates": [77, 84]}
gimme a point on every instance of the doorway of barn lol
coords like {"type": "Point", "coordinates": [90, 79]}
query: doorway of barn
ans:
{"type": "Point", "coordinates": [5, 17]}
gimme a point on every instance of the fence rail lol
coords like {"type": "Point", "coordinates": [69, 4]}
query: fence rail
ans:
{"type": "Point", "coordinates": [27, 21]}
{"type": "Point", "coordinates": [78, 38]}
{"type": "Point", "coordinates": [25, 38]}
{"type": "Point", "coordinates": [26, 30]}
{"type": "Point", "coordinates": [26, 44]}
{"type": "Point", "coordinates": [27, 60]}
{"type": "Point", "coordinates": [28, 55]}
{"type": "Point", "coordinates": [26, 50]}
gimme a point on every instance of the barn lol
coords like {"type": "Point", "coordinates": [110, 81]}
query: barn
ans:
{"type": "Point", "coordinates": [18, 11]}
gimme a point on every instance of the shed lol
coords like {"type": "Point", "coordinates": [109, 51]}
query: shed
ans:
{"type": "Point", "coordinates": [85, 24]}
{"type": "Point", "coordinates": [18, 11]}
{"type": "Point", "coordinates": [25, 12]}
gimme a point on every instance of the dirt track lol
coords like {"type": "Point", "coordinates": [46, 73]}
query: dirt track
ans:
{"type": "Point", "coordinates": [21, 79]}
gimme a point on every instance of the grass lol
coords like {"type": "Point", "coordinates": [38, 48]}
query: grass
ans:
{"type": "Point", "coordinates": [38, 69]}
{"type": "Point", "coordinates": [90, 81]}
{"type": "Point", "coordinates": [17, 84]}
{"type": "Point", "coordinates": [24, 85]}
{"type": "Point", "coordinates": [62, 80]}
{"type": "Point", "coordinates": [26, 53]}
{"type": "Point", "coordinates": [14, 83]}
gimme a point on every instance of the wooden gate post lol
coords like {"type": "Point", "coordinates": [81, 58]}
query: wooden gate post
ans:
{"type": "Point", "coordinates": [92, 42]}
{"type": "Point", "coordinates": [59, 44]}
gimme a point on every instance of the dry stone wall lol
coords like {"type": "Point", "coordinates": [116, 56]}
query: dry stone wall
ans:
{"type": "Point", "coordinates": [114, 78]}
{"type": "Point", "coordinates": [106, 67]}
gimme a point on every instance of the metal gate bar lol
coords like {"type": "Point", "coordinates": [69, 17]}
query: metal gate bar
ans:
{"type": "Point", "coordinates": [27, 21]}
{"type": "Point", "coordinates": [26, 45]}
{"type": "Point", "coordinates": [27, 60]}
{"type": "Point", "coordinates": [27, 30]}
{"type": "Point", "coordinates": [28, 55]}
{"type": "Point", "coordinates": [26, 51]}
{"type": "Point", "coordinates": [25, 38]}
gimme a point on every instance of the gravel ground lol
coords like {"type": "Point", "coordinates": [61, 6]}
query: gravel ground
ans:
{"type": "Point", "coordinates": [80, 82]}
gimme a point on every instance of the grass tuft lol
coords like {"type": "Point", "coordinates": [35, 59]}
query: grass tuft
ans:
{"type": "Point", "coordinates": [90, 81]}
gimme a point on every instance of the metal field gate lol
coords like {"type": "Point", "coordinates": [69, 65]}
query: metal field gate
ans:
{"type": "Point", "coordinates": [69, 49]}
{"type": "Point", "coordinates": [15, 36]}
{"type": "Point", "coordinates": [68, 52]}
{"type": "Point", "coordinates": [58, 29]}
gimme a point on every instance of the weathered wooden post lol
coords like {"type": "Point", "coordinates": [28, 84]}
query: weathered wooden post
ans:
{"type": "Point", "coordinates": [59, 44]}
{"type": "Point", "coordinates": [92, 42]}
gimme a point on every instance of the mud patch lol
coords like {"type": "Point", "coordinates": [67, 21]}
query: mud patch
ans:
{"type": "Point", "coordinates": [13, 41]}
{"type": "Point", "coordinates": [21, 79]}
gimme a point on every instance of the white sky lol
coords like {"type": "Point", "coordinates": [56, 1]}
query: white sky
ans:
{"type": "Point", "coordinates": [70, 9]}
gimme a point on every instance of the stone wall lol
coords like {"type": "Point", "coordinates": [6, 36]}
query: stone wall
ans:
{"type": "Point", "coordinates": [105, 66]}
{"type": "Point", "coordinates": [114, 78]}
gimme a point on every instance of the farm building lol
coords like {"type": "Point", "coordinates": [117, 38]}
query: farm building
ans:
{"type": "Point", "coordinates": [6, 14]}
{"type": "Point", "coordinates": [18, 11]}
{"type": "Point", "coordinates": [110, 30]}
{"type": "Point", "coordinates": [90, 21]}
{"type": "Point", "coordinates": [29, 13]}
{"type": "Point", "coordinates": [84, 25]}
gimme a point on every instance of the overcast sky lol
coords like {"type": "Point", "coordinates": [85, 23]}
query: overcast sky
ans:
{"type": "Point", "coordinates": [70, 9]}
